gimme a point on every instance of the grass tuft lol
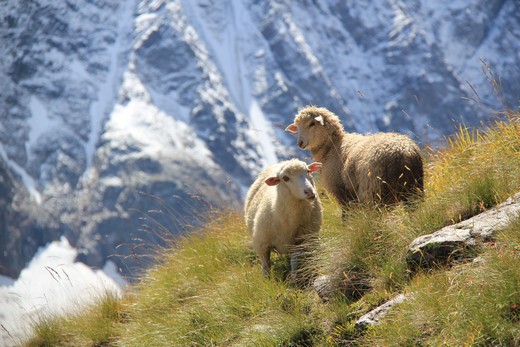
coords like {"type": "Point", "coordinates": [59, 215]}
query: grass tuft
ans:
{"type": "Point", "coordinates": [92, 327]}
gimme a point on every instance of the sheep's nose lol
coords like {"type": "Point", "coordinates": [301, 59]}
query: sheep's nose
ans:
{"type": "Point", "coordinates": [309, 193]}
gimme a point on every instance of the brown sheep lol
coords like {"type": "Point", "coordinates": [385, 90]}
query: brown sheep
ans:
{"type": "Point", "coordinates": [381, 169]}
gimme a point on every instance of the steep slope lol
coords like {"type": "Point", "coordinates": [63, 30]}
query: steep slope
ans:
{"type": "Point", "coordinates": [102, 100]}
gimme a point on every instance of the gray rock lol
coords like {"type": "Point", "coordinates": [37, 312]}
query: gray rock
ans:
{"type": "Point", "coordinates": [323, 287]}
{"type": "Point", "coordinates": [374, 316]}
{"type": "Point", "coordinates": [461, 240]}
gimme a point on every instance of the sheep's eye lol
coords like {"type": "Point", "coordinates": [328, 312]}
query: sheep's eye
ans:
{"type": "Point", "coordinates": [311, 124]}
{"type": "Point", "coordinates": [286, 178]}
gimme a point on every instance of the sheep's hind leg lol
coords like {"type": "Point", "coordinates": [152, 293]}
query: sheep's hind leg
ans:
{"type": "Point", "coordinates": [265, 260]}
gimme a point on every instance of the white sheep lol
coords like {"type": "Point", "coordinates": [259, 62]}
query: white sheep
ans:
{"type": "Point", "coordinates": [383, 168]}
{"type": "Point", "coordinates": [281, 209]}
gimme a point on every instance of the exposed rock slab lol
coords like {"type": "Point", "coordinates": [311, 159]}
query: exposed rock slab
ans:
{"type": "Point", "coordinates": [374, 316]}
{"type": "Point", "coordinates": [458, 241]}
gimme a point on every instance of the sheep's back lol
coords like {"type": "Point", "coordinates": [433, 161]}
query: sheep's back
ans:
{"type": "Point", "coordinates": [386, 165]}
{"type": "Point", "coordinates": [379, 150]}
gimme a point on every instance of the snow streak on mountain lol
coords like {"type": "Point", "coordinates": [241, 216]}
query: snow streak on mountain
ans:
{"type": "Point", "coordinates": [112, 109]}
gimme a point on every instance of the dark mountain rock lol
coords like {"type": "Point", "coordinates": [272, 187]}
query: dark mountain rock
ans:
{"type": "Point", "coordinates": [102, 101]}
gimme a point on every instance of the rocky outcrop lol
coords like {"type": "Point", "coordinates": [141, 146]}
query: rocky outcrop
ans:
{"type": "Point", "coordinates": [374, 316]}
{"type": "Point", "coordinates": [452, 243]}
{"type": "Point", "coordinates": [447, 246]}
{"type": "Point", "coordinates": [461, 240]}
{"type": "Point", "coordinates": [24, 226]}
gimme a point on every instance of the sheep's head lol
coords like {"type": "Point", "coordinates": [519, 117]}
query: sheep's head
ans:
{"type": "Point", "coordinates": [297, 177]}
{"type": "Point", "coordinates": [313, 126]}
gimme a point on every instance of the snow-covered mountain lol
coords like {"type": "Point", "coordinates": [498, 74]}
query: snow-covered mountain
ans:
{"type": "Point", "coordinates": [113, 110]}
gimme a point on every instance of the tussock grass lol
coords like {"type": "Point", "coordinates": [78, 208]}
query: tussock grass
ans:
{"type": "Point", "coordinates": [368, 251]}
{"type": "Point", "coordinates": [477, 169]}
{"type": "Point", "coordinates": [207, 289]}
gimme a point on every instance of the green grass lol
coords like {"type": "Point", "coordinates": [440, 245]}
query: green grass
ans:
{"type": "Point", "coordinates": [95, 326]}
{"type": "Point", "coordinates": [207, 289]}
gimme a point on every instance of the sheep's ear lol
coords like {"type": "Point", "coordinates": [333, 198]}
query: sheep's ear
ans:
{"type": "Point", "coordinates": [314, 167]}
{"type": "Point", "coordinates": [319, 119]}
{"type": "Point", "coordinates": [293, 128]}
{"type": "Point", "coordinates": [272, 181]}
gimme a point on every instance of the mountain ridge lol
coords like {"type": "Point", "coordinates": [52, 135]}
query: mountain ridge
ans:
{"type": "Point", "coordinates": [173, 98]}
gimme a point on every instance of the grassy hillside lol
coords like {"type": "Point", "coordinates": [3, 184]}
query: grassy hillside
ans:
{"type": "Point", "coordinates": [207, 289]}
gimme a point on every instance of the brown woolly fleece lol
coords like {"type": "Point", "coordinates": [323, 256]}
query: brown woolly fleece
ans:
{"type": "Point", "coordinates": [383, 168]}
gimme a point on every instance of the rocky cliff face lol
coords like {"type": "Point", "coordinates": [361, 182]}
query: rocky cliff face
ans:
{"type": "Point", "coordinates": [110, 109]}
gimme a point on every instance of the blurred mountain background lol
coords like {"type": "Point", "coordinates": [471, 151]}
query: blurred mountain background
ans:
{"type": "Point", "coordinates": [121, 121]}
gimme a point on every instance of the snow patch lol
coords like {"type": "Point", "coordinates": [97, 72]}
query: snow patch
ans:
{"type": "Point", "coordinates": [299, 38]}
{"type": "Point", "coordinates": [263, 132]}
{"type": "Point", "coordinates": [229, 41]}
{"type": "Point", "coordinates": [155, 132]}
{"type": "Point", "coordinates": [40, 122]}
{"type": "Point", "coordinates": [27, 179]}
{"type": "Point", "coordinates": [51, 284]}
{"type": "Point", "coordinates": [108, 90]}
{"type": "Point", "coordinates": [112, 181]}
